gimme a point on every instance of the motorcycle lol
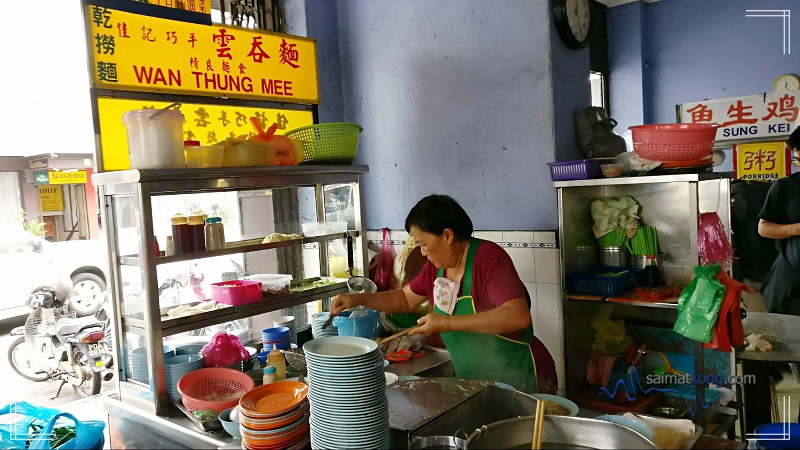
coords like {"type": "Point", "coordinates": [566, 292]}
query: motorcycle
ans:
{"type": "Point", "coordinates": [55, 345]}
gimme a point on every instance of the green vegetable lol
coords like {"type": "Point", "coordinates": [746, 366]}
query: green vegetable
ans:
{"type": "Point", "coordinates": [644, 242]}
{"type": "Point", "coordinates": [59, 436]}
{"type": "Point", "coordinates": [616, 238]}
{"type": "Point", "coordinates": [206, 414]}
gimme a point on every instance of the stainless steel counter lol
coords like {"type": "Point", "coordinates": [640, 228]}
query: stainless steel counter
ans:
{"type": "Point", "coordinates": [644, 180]}
{"type": "Point", "coordinates": [435, 362]}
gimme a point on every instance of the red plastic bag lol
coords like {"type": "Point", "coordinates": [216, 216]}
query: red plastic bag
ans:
{"type": "Point", "coordinates": [712, 242]}
{"type": "Point", "coordinates": [383, 272]}
{"type": "Point", "coordinates": [223, 350]}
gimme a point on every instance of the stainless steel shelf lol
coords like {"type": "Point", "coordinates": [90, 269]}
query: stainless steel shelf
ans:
{"type": "Point", "coordinates": [231, 248]}
{"type": "Point", "coordinates": [645, 180]}
{"type": "Point", "coordinates": [298, 296]}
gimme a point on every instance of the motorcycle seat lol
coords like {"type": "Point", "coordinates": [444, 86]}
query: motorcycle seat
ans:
{"type": "Point", "coordinates": [71, 326]}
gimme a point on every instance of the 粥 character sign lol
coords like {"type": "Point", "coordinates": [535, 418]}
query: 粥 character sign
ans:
{"type": "Point", "coordinates": [134, 52]}
{"type": "Point", "coordinates": [765, 161]}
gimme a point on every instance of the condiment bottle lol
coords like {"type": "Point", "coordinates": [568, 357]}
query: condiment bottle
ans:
{"type": "Point", "coordinates": [270, 375]}
{"type": "Point", "coordinates": [277, 360]}
{"type": "Point", "coordinates": [170, 247]}
{"type": "Point", "coordinates": [197, 234]}
{"type": "Point", "coordinates": [215, 234]}
{"type": "Point", "coordinates": [158, 250]}
{"type": "Point", "coordinates": [180, 234]}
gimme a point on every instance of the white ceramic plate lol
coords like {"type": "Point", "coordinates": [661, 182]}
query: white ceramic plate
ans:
{"type": "Point", "coordinates": [339, 347]}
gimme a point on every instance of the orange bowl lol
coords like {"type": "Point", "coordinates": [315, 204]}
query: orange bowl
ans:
{"type": "Point", "coordinates": [274, 399]}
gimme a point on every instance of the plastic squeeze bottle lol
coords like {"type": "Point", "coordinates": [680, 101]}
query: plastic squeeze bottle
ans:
{"type": "Point", "coordinates": [180, 234]}
{"type": "Point", "coordinates": [269, 375]}
{"type": "Point", "coordinates": [277, 360]}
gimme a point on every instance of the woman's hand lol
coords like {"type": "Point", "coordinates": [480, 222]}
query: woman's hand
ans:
{"type": "Point", "coordinates": [432, 324]}
{"type": "Point", "coordinates": [343, 302]}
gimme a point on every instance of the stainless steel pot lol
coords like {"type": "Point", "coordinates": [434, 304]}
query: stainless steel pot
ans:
{"type": "Point", "coordinates": [438, 442]}
{"type": "Point", "coordinates": [614, 257]}
{"type": "Point", "coordinates": [557, 432]}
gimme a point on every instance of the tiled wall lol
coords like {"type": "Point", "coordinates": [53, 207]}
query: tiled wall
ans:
{"type": "Point", "coordinates": [536, 258]}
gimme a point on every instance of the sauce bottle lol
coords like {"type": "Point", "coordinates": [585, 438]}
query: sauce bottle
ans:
{"type": "Point", "coordinates": [180, 234]}
{"type": "Point", "coordinates": [270, 375]}
{"type": "Point", "coordinates": [197, 235]}
{"type": "Point", "coordinates": [276, 360]}
{"type": "Point", "coordinates": [215, 234]}
{"type": "Point", "coordinates": [170, 250]}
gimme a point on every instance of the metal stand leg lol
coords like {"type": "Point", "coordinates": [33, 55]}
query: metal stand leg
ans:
{"type": "Point", "coordinates": [63, 382]}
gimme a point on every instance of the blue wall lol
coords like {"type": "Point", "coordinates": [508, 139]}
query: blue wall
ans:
{"type": "Point", "coordinates": [454, 98]}
{"type": "Point", "coordinates": [689, 50]}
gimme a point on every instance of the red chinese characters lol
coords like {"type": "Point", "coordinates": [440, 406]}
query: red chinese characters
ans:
{"type": "Point", "coordinates": [761, 160]}
{"type": "Point", "coordinates": [192, 39]}
{"type": "Point", "coordinates": [122, 28]}
{"type": "Point", "coordinates": [289, 55]}
{"type": "Point", "coordinates": [701, 113]}
{"type": "Point", "coordinates": [739, 113]}
{"type": "Point", "coordinates": [223, 39]}
{"type": "Point", "coordinates": [256, 52]}
{"type": "Point", "coordinates": [172, 37]}
{"type": "Point", "coordinates": [783, 108]}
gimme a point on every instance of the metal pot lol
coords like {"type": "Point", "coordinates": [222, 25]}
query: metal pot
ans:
{"type": "Point", "coordinates": [438, 442]}
{"type": "Point", "coordinates": [557, 432]}
{"type": "Point", "coordinates": [614, 257]}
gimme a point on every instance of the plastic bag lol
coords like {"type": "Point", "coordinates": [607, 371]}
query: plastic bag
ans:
{"type": "Point", "coordinates": [399, 268]}
{"type": "Point", "coordinates": [712, 242]}
{"type": "Point", "coordinates": [595, 133]}
{"type": "Point", "coordinates": [223, 350]}
{"type": "Point", "coordinates": [13, 435]}
{"type": "Point", "coordinates": [610, 338]}
{"type": "Point", "coordinates": [699, 303]}
{"type": "Point", "coordinates": [383, 273]}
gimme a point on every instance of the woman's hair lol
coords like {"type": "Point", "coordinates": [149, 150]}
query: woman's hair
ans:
{"type": "Point", "coordinates": [436, 212]}
{"type": "Point", "coordinates": [794, 140]}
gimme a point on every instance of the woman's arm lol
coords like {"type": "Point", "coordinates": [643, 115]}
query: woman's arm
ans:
{"type": "Point", "coordinates": [771, 230]}
{"type": "Point", "coordinates": [394, 301]}
{"type": "Point", "coordinates": [512, 315]}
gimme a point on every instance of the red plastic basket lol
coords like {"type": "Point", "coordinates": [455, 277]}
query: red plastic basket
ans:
{"type": "Point", "coordinates": [194, 386]}
{"type": "Point", "coordinates": [675, 141]}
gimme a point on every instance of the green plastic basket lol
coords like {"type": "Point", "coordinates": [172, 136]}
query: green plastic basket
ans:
{"type": "Point", "coordinates": [327, 143]}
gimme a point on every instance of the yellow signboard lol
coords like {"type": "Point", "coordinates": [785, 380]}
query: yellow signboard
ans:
{"type": "Point", "coordinates": [51, 198]}
{"type": "Point", "coordinates": [200, 6]}
{"type": "Point", "coordinates": [208, 124]}
{"type": "Point", "coordinates": [765, 161]}
{"type": "Point", "coordinates": [134, 52]}
{"type": "Point", "coordinates": [71, 177]}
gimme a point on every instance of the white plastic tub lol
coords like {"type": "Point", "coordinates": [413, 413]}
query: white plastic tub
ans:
{"type": "Point", "coordinates": [272, 284]}
{"type": "Point", "coordinates": [155, 143]}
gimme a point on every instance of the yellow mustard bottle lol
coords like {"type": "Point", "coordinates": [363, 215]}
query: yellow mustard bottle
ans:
{"type": "Point", "coordinates": [277, 360]}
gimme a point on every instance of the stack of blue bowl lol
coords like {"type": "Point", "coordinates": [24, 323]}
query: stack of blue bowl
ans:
{"type": "Point", "coordinates": [278, 336]}
{"type": "Point", "coordinates": [177, 367]}
{"type": "Point", "coordinates": [138, 358]}
{"type": "Point", "coordinates": [317, 321]}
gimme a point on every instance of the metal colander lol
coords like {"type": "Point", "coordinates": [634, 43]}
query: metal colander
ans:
{"type": "Point", "coordinates": [296, 358]}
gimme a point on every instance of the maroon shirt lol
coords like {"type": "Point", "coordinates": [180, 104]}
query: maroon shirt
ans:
{"type": "Point", "coordinates": [494, 281]}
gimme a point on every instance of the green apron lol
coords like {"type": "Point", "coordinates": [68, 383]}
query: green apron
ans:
{"type": "Point", "coordinates": [479, 356]}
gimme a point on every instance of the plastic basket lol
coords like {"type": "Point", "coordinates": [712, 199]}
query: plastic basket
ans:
{"type": "Point", "coordinates": [581, 169]}
{"type": "Point", "coordinates": [328, 142]}
{"type": "Point", "coordinates": [590, 282]}
{"type": "Point", "coordinates": [194, 386]}
{"type": "Point", "coordinates": [674, 142]}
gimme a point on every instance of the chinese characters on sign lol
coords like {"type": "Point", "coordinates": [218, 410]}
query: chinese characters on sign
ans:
{"type": "Point", "coordinates": [765, 161]}
{"type": "Point", "coordinates": [771, 116]}
{"type": "Point", "coordinates": [200, 6]}
{"type": "Point", "coordinates": [135, 52]}
{"type": "Point", "coordinates": [208, 124]}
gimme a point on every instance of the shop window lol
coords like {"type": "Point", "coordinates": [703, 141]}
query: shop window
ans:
{"type": "Point", "coordinates": [255, 14]}
{"type": "Point", "coordinates": [10, 199]}
{"type": "Point", "coordinates": [598, 84]}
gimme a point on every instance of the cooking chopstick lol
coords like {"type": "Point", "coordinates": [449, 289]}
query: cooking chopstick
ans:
{"type": "Point", "coordinates": [397, 335]}
{"type": "Point", "coordinates": [537, 425]}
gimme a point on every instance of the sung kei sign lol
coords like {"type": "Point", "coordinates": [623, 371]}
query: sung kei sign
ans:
{"type": "Point", "coordinates": [134, 52]}
{"type": "Point", "coordinates": [771, 116]}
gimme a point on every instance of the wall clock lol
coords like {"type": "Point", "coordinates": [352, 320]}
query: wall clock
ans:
{"type": "Point", "coordinates": [786, 82]}
{"type": "Point", "coordinates": [573, 19]}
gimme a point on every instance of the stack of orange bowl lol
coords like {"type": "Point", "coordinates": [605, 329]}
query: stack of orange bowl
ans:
{"type": "Point", "coordinates": [275, 416]}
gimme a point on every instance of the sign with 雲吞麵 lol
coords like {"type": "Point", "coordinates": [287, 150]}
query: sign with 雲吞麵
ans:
{"type": "Point", "coordinates": [199, 6]}
{"type": "Point", "coordinates": [763, 161]}
{"type": "Point", "coordinates": [770, 116]}
{"type": "Point", "coordinates": [51, 198]}
{"type": "Point", "coordinates": [134, 52]}
{"type": "Point", "coordinates": [209, 124]}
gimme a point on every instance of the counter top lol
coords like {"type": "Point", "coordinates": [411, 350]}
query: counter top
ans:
{"type": "Point", "coordinates": [689, 177]}
{"type": "Point", "coordinates": [432, 359]}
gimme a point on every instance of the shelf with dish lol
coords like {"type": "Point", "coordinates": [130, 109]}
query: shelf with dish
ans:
{"type": "Point", "coordinates": [298, 295]}
{"type": "Point", "coordinates": [236, 247]}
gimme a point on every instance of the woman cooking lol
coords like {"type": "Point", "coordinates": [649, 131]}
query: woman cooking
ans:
{"type": "Point", "coordinates": [481, 307]}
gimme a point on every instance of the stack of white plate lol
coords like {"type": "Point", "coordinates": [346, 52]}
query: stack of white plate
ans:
{"type": "Point", "coordinates": [347, 392]}
{"type": "Point", "coordinates": [317, 321]}
{"type": "Point", "coordinates": [177, 367]}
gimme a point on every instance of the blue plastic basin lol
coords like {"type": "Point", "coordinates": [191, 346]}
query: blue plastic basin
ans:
{"type": "Point", "coordinates": [367, 326]}
{"type": "Point", "coordinates": [778, 436]}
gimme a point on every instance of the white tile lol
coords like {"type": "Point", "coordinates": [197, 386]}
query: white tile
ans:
{"type": "Point", "coordinates": [559, 360]}
{"type": "Point", "coordinates": [544, 237]}
{"type": "Point", "coordinates": [550, 332]}
{"type": "Point", "coordinates": [523, 237]}
{"type": "Point", "coordinates": [535, 324]}
{"type": "Point", "coordinates": [531, 287]}
{"type": "Point", "coordinates": [547, 265]}
{"type": "Point", "coordinates": [373, 235]}
{"type": "Point", "coordinates": [548, 299]}
{"type": "Point", "coordinates": [397, 249]}
{"type": "Point", "coordinates": [399, 235]}
{"type": "Point", "coordinates": [524, 263]}
{"type": "Point", "coordinates": [494, 236]}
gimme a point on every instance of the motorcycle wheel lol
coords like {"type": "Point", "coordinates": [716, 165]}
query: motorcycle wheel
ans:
{"type": "Point", "coordinates": [91, 384]}
{"type": "Point", "coordinates": [18, 359]}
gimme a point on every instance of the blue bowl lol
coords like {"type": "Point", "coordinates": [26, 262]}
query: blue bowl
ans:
{"type": "Point", "coordinates": [633, 424]}
{"type": "Point", "coordinates": [368, 326]}
{"type": "Point", "coordinates": [275, 334]}
{"type": "Point", "coordinates": [282, 345]}
{"type": "Point", "coordinates": [778, 436]}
